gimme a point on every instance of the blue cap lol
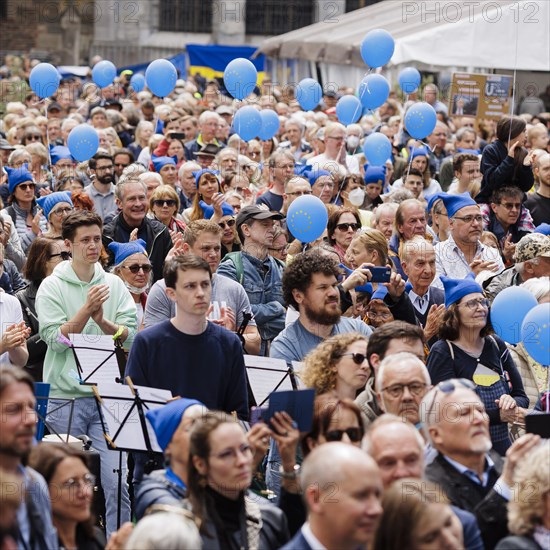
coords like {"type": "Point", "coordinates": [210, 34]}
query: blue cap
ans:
{"type": "Point", "coordinates": [166, 419]}
{"type": "Point", "coordinates": [375, 174]}
{"type": "Point", "coordinates": [379, 293]}
{"type": "Point", "coordinates": [227, 209]}
{"type": "Point", "coordinates": [199, 173]}
{"type": "Point", "coordinates": [431, 200]}
{"type": "Point", "coordinates": [454, 203]}
{"type": "Point", "coordinates": [419, 152]}
{"type": "Point", "coordinates": [455, 289]}
{"type": "Point", "coordinates": [49, 201]}
{"type": "Point", "coordinates": [160, 162]}
{"type": "Point", "coordinates": [60, 152]}
{"type": "Point", "coordinates": [543, 228]}
{"type": "Point", "coordinates": [314, 175]}
{"type": "Point", "coordinates": [17, 176]}
{"type": "Point", "coordinates": [123, 250]}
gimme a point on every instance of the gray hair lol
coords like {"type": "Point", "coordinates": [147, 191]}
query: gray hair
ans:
{"type": "Point", "coordinates": [166, 530]}
{"type": "Point", "coordinates": [398, 359]}
{"type": "Point", "coordinates": [121, 185]}
{"type": "Point", "coordinates": [385, 420]}
{"type": "Point", "coordinates": [385, 207]}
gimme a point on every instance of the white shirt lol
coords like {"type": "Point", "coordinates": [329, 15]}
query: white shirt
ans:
{"type": "Point", "coordinates": [451, 262]}
{"type": "Point", "coordinates": [432, 189]}
{"type": "Point", "coordinates": [415, 298]}
{"type": "Point", "coordinates": [10, 313]}
{"type": "Point", "coordinates": [311, 539]}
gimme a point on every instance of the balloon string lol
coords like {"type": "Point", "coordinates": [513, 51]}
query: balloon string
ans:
{"type": "Point", "coordinates": [548, 390]}
{"type": "Point", "coordinates": [512, 106]}
{"type": "Point", "coordinates": [50, 166]}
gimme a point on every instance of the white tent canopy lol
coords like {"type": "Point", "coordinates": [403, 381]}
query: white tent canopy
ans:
{"type": "Point", "coordinates": [501, 34]}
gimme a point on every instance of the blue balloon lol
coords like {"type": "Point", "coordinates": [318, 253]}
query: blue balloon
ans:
{"type": "Point", "coordinates": [420, 120]}
{"type": "Point", "coordinates": [377, 149]}
{"type": "Point", "coordinates": [348, 109]}
{"type": "Point", "coordinates": [83, 142]}
{"type": "Point", "coordinates": [373, 91]}
{"type": "Point", "coordinates": [44, 80]}
{"type": "Point", "coordinates": [270, 124]}
{"type": "Point", "coordinates": [247, 123]}
{"type": "Point", "coordinates": [240, 77]}
{"type": "Point", "coordinates": [535, 334]}
{"type": "Point", "coordinates": [409, 80]}
{"type": "Point", "coordinates": [377, 48]}
{"type": "Point", "coordinates": [137, 82]}
{"type": "Point", "coordinates": [308, 93]}
{"type": "Point", "coordinates": [103, 73]}
{"type": "Point", "coordinates": [307, 218]}
{"type": "Point", "coordinates": [508, 310]}
{"type": "Point", "coordinates": [161, 76]}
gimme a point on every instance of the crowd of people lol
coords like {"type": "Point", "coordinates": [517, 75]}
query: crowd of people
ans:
{"type": "Point", "coordinates": [173, 239]}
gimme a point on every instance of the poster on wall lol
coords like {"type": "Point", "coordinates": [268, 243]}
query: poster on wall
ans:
{"type": "Point", "coordinates": [480, 95]}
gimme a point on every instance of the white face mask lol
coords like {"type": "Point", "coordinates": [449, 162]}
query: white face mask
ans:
{"type": "Point", "coordinates": [136, 289]}
{"type": "Point", "coordinates": [353, 142]}
{"type": "Point", "coordinates": [356, 197]}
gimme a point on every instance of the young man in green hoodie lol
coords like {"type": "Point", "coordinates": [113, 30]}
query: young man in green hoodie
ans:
{"type": "Point", "coordinates": [80, 298]}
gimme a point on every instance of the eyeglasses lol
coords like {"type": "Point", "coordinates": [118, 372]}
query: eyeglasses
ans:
{"type": "Point", "coordinates": [396, 390]}
{"type": "Point", "coordinates": [61, 211]}
{"type": "Point", "coordinates": [134, 268]}
{"type": "Point", "coordinates": [336, 138]}
{"type": "Point", "coordinates": [358, 358]}
{"type": "Point", "coordinates": [281, 249]}
{"type": "Point", "coordinates": [374, 315]}
{"type": "Point", "coordinates": [167, 202]}
{"type": "Point", "coordinates": [299, 193]}
{"type": "Point", "coordinates": [347, 226]}
{"type": "Point", "coordinates": [354, 434]}
{"type": "Point", "coordinates": [469, 219]}
{"type": "Point", "coordinates": [64, 255]}
{"type": "Point", "coordinates": [87, 481]}
{"type": "Point", "coordinates": [475, 303]}
{"type": "Point", "coordinates": [34, 137]}
{"type": "Point", "coordinates": [511, 205]}
{"type": "Point", "coordinates": [25, 186]}
{"type": "Point", "coordinates": [123, 164]}
{"type": "Point", "coordinates": [231, 454]}
{"type": "Point", "coordinates": [449, 386]}
{"type": "Point", "coordinates": [227, 223]}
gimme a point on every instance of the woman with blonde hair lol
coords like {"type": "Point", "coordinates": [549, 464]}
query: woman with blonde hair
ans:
{"type": "Point", "coordinates": [164, 205]}
{"type": "Point", "coordinates": [368, 246]}
{"type": "Point", "coordinates": [529, 511]}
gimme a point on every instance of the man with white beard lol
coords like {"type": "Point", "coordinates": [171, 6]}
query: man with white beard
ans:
{"type": "Point", "coordinates": [474, 477]}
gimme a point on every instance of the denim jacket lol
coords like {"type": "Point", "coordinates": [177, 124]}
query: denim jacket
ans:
{"type": "Point", "coordinates": [263, 284]}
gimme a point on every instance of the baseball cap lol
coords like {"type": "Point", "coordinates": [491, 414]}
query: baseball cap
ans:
{"type": "Point", "coordinates": [534, 245]}
{"type": "Point", "coordinates": [255, 212]}
{"type": "Point", "coordinates": [5, 145]}
{"type": "Point", "coordinates": [224, 110]}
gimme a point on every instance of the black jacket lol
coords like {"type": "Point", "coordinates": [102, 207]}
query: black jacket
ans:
{"type": "Point", "coordinates": [499, 170]}
{"type": "Point", "coordinates": [153, 232]}
{"type": "Point", "coordinates": [518, 543]}
{"type": "Point", "coordinates": [484, 502]}
{"type": "Point", "coordinates": [155, 488]}
{"type": "Point", "coordinates": [36, 346]}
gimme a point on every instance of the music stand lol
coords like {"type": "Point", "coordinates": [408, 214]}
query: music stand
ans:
{"type": "Point", "coordinates": [122, 413]}
{"type": "Point", "coordinates": [104, 361]}
{"type": "Point", "coordinates": [266, 375]}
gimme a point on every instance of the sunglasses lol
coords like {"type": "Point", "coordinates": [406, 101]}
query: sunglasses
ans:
{"type": "Point", "coordinates": [167, 202]}
{"type": "Point", "coordinates": [228, 223]}
{"type": "Point", "coordinates": [25, 186]}
{"type": "Point", "coordinates": [354, 434]}
{"type": "Point", "coordinates": [449, 386]}
{"type": "Point", "coordinates": [34, 138]}
{"type": "Point", "coordinates": [134, 268]}
{"type": "Point", "coordinates": [64, 255]}
{"type": "Point", "coordinates": [346, 226]}
{"type": "Point", "coordinates": [358, 358]}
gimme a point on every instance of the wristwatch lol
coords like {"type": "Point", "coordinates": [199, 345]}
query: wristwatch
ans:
{"type": "Point", "coordinates": [290, 475]}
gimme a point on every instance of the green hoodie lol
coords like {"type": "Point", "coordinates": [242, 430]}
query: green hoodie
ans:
{"type": "Point", "coordinates": [58, 299]}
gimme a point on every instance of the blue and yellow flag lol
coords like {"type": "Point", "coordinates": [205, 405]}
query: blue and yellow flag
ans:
{"type": "Point", "coordinates": [210, 61]}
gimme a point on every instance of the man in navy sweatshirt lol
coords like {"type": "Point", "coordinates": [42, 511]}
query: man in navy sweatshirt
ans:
{"type": "Point", "coordinates": [187, 354]}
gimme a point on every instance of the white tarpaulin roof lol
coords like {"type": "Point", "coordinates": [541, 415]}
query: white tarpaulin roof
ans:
{"type": "Point", "coordinates": [502, 34]}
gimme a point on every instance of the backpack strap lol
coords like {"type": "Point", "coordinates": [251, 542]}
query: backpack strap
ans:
{"type": "Point", "coordinates": [237, 260]}
{"type": "Point", "coordinates": [451, 350]}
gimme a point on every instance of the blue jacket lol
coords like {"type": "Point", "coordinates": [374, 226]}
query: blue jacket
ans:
{"type": "Point", "coordinates": [297, 542]}
{"type": "Point", "coordinates": [263, 283]}
{"type": "Point", "coordinates": [156, 488]}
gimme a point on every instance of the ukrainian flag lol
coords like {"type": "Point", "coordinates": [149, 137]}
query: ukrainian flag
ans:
{"type": "Point", "coordinates": [210, 61]}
